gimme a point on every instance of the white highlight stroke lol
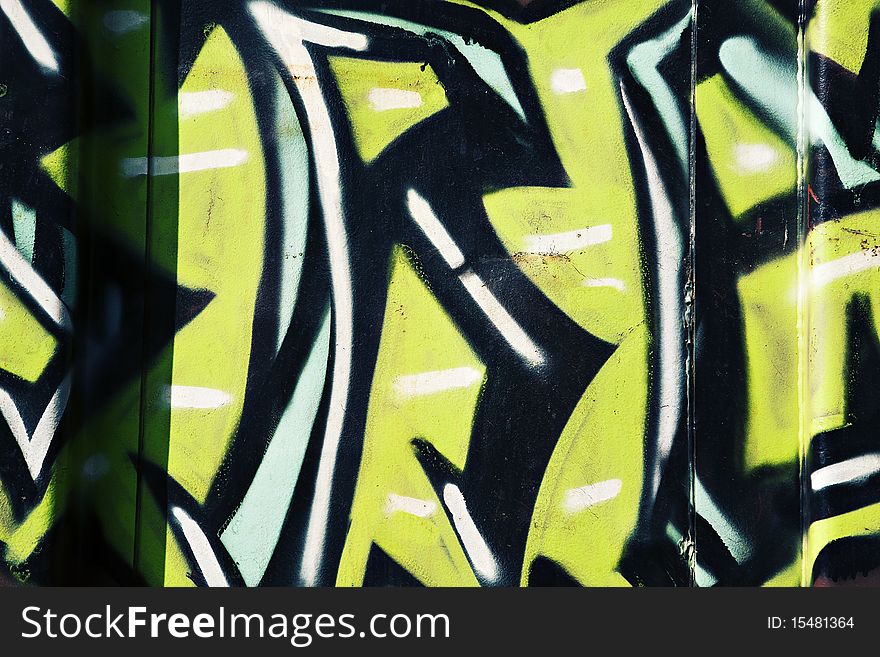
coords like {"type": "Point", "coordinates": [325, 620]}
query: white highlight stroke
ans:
{"type": "Point", "coordinates": [26, 276]}
{"type": "Point", "coordinates": [567, 81]}
{"type": "Point", "coordinates": [670, 301]}
{"type": "Point", "coordinates": [421, 211]}
{"type": "Point", "coordinates": [187, 163]}
{"type": "Point", "coordinates": [308, 31]}
{"type": "Point", "coordinates": [201, 548]}
{"type": "Point", "coordinates": [755, 158]}
{"type": "Point", "coordinates": [429, 383]}
{"type": "Point", "coordinates": [411, 505]}
{"type": "Point", "coordinates": [512, 332]}
{"type": "Point", "coordinates": [846, 472]}
{"type": "Point", "coordinates": [559, 243]}
{"type": "Point", "coordinates": [828, 272]}
{"type": "Point", "coordinates": [383, 99]}
{"type": "Point", "coordinates": [474, 543]}
{"type": "Point", "coordinates": [35, 447]}
{"type": "Point", "coordinates": [192, 103]}
{"type": "Point", "coordinates": [578, 499]}
{"type": "Point", "coordinates": [30, 35]}
{"type": "Point", "coordinates": [615, 283]}
{"type": "Point", "coordinates": [286, 34]}
{"type": "Point", "coordinates": [195, 397]}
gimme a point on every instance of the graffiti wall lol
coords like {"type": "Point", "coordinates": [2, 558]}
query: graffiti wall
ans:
{"type": "Point", "coordinates": [441, 293]}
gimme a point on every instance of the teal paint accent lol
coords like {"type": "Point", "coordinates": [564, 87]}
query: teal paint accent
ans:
{"type": "Point", "coordinates": [486, 63]}
{"type": "Point", "coordinates": [643, 61]}
{"type": "Point", "coordinates": [771, 83]}
{"type": "Point", "coordinates": [702, 577]}
{"type": "Point", "coordinates": [734, 540]}
{"type": "Point", "coordinates": [293, 158]}
{"type": "Point", "coordinates": [253, 531]}
{"type": "Point", "coordinates": [68, 243]}
{"type": "Point", "coordinates": [24, 225]}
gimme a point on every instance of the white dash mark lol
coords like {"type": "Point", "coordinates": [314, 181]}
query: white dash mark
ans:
{"type": "Point", "coordinates": [125, 20]}
{"type": "Point", "coordinates": [317, 33]}
{"type": "Point", "coordinates": [424, 216]}
{"type": "Point", "coordinates": [30, 35]}
{"type": "Point", "coordinates": [846, 472]}
{"type": "Point", "coordinates": [192, 103]}
{"type": "Point", "coordinates": [513, 333]}
{"type": "Point", "coordinates": [615, 283]}
{"type": "Point", "coordinates": [383, 99]}
{"type": "Point", "coordinates": [429, 383]}
{"type": "Point", "coordinates": [474, 543]}
{"type": "Point", "coordinates": [567, 81]}
{"type": "Point", "coordinates": [755, 158]}
{"type": "Point", "coordinates": [195, 397]}
{"type": "Point", "coordinates": [201, 548]}
{"type": "Point", "coordinates": [854, 263]}
{"type": "Point", "coordinates": [411, 505]}
{"type": "Point", "coordinates": [187, 163]}
{"type": "Point", "coordinates": [559, 243]}
{"type": "Point", "coordinates": [578, 499]}
{"type": "Point", "coordinates": [26, 276]}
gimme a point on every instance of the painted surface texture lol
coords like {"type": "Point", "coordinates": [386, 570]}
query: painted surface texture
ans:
{"type": "Point", "coordinates": [441, 293]}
